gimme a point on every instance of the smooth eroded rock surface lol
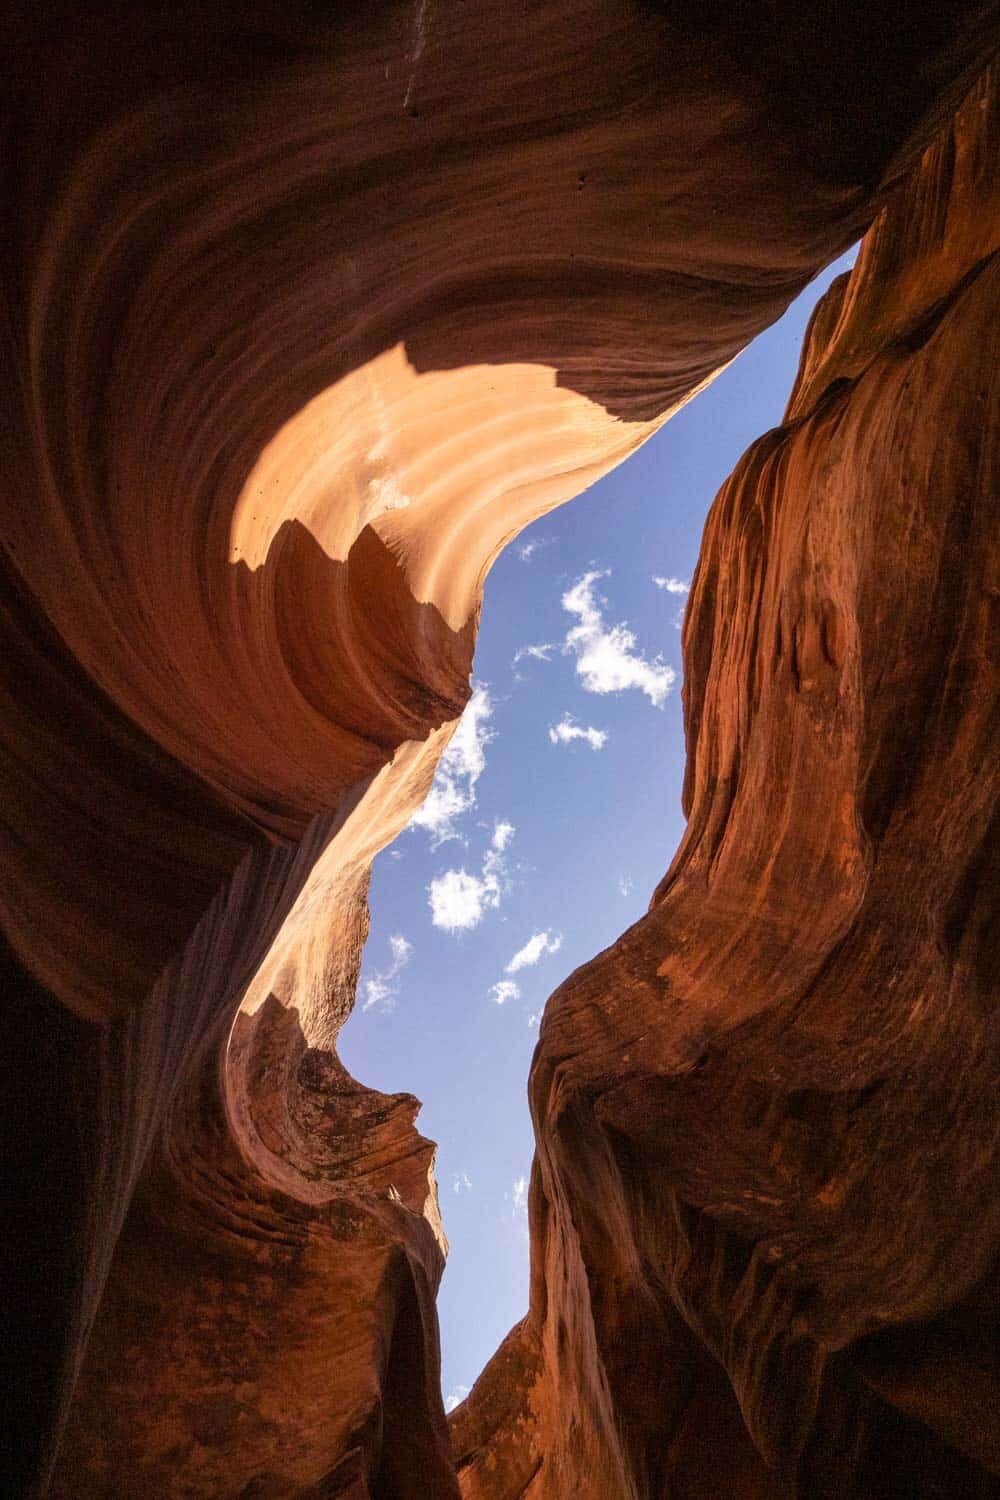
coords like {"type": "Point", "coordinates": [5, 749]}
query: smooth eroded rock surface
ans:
{"type": "Point", "coordinates": [307, 313]}
{"type": "Point", "coordinates": [768, 1117]}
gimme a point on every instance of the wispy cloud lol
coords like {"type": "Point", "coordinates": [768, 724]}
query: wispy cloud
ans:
{"type": "Point", "coordinates": [568, 730]}
{"type": "Point", "coordinates": [534, 1019]}
{"type": "Point", "coordinates": [455, 1397]}
{"type": "Point", "coordinates": [382, 987]}
{"type": "Point", "coordinates": [606, 657]}
{"type": "Point", "coordinates": [520, 1195]}
{"type": "Point", "coordinates": [453, 792]}
{"type": "Point", "coordinates": [503, 832]}
{"type": "Point", "coordinates": [537, 944]}
{"type": "Point", "coordinates": [461, 1182]}
{"type": "Point", "coordinates": [504, 990]}
{"type": "Point", "coordinates": [458, 900]}
{"type": "Point", "coordinates": [626, 885]}
{"type": "Point", "coordinates": [680, 588]}
{"type": "Point", "coordinates": [535, 653]}
{"type": "Point", "coordinates": [527, 550]}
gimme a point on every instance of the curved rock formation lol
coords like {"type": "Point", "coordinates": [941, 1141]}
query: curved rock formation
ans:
{"type": "Point", "coordinates": [765, 1218]}
{"type": "Point", "coordinates": [306, 316]}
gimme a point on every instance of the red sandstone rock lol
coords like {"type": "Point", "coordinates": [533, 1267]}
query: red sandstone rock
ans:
{"type": "Point", "coordinates": [768, 1116]}
{"type": "Point", "coordinates": [306, 318]}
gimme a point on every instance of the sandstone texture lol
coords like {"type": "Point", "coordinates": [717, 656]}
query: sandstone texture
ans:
{"type": "Point", "coordinates": [765, 1218]}
{"type": "Point", "coordinates": [307, 312]}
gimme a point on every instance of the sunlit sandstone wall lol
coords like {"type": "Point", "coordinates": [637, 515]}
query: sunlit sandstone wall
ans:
{"type": "Point", "coordinates": [306, 314]}
{"type": "Point", "coordinates": [765, 1211]}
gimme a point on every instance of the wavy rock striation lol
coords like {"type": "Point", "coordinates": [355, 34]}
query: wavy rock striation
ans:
{"type": "Point", "coordinates": [765, 1220]}
{"type": "Point", "coordinates": [306, 315]}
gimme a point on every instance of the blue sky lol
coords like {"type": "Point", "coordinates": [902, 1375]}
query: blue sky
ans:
{"type": "Point", "coordinates": [554, 814]}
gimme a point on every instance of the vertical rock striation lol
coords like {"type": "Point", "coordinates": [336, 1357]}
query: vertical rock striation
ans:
{"type": "Point", "coordinates": [765, 1218]}
{"type": "Point", "coordinates": [306, 314]}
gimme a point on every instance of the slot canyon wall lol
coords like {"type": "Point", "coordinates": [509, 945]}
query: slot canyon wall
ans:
{"type": "Point", "coordinates": [308, 310]}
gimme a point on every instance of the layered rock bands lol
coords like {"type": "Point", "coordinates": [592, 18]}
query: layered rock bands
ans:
{"type": "Point", "coordinates": [308, 311]}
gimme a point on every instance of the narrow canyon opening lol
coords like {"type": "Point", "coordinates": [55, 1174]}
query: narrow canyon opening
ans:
{"type": "Point", "coordinates": [548, 824]}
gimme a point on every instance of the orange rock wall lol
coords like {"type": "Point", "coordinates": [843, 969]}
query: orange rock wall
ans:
{"type": "Point", "coordinates": [765, 1219]}
{"type": "Point", "coordinates": [306, 314]}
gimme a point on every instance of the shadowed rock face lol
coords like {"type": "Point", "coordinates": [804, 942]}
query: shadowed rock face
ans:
{"type": "Point", "coordinates": [767, 1117]}
{"type": "Point", "coordinates": [306, 316]}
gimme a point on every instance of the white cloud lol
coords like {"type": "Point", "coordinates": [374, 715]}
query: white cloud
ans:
{"type": "Point", "coordinates": [606, 658]}
{"type": "Point", "coordinates": [503, 832]}
{"type": "Point", "coordinates": [458, 900]}
{"type": "Point", "coordinates": [382, 987]}
{"type": "Point", "coordinates": [568, 730]}
{"type": "Point", "coordinates": [495, 877]}
{"type": "Point", "coordinates": [675, 586]}
{"type": "Point", "coordinates": [528, 549]}
{"type": "Point", "coordinates": [626, 885]}
{"type": "Point", "coordinates": [521, 1195]}
{"type": "Point", "coordinates": [376, 991]}
{"type": "Point", "coordinates": [453, 791]}
{"type": "Point", "coordinates": [455, 1397]}
{"type": "Point", "coordinates": [534, 1019]}
{"type": "Point", "coordinates": [461, 1182]}
{"type": "Point", "coordinates": [537, 944]}
{"type": "Point", "coordinates": [503, 990]}
{"type": "Point", "coordinates": [541, 652]}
